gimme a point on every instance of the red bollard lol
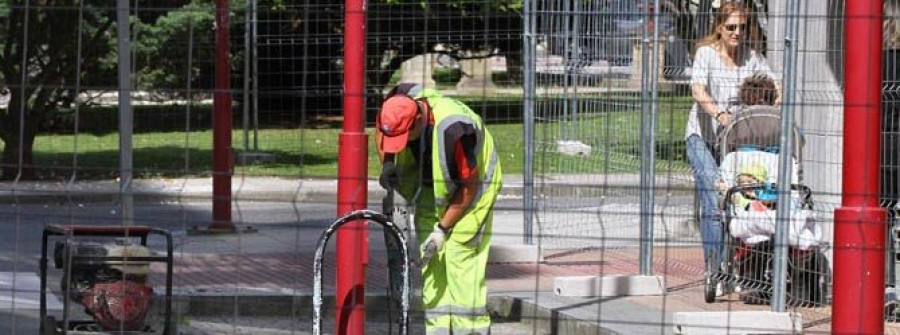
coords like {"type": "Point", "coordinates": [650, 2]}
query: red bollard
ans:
{"type": "Point", "coordinates": [859, 222]}
{"type": "Point", "coordinates": [353, 239]}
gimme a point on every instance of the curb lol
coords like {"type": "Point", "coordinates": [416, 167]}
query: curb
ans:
{"type": "Point", "coordinates": [545, 321]}
{"type": "Point", "coordinates": [304, 196]}
{"type": "Point", "coordinates": [503, 309]}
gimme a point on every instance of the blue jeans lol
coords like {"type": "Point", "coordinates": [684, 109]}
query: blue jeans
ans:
{"type": "Point", "coordinates": [705, 174]}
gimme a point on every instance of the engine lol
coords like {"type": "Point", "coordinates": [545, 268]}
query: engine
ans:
{"type": "Point", "coordinates": [112, 288]}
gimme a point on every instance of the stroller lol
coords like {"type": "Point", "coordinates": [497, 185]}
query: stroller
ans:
{"type": "Point", "coordinates": [747, 266]}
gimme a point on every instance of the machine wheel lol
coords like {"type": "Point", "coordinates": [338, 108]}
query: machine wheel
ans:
{"type": "Point", "coordinates": [709, 287]}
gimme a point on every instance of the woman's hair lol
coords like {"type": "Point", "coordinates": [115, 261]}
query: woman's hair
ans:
{"type": "Point", "coordinates": [891, 25]}
{"type": "Point", "coordinates": [725, 10]}
{"type": "Point", "coordinates": [758, 89]}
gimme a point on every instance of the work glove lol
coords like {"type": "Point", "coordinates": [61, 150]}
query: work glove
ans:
{"type": "Point", "coordinates": [433, 244]}
{"type": "Point", "coordinates": [390, 176]}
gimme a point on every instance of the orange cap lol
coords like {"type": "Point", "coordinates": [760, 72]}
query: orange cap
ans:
{"type": "Point", "coordinates": [395, 120]}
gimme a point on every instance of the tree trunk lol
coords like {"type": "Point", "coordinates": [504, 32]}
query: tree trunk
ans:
{"type": "Point", "coordinates": [11, 167]}
{"type": "Point", "coordinates": [11, 163]}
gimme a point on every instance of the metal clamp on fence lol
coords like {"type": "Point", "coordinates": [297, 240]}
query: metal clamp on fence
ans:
{"type": "Point", "coordinates": [391, 231]}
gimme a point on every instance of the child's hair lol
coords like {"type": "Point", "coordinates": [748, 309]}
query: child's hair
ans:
{"type": "Point", "coordinates": [758, 89]}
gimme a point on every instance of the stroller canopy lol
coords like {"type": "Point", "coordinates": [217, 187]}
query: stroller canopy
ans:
{"type": "Point", "coordinates": [757, 127]}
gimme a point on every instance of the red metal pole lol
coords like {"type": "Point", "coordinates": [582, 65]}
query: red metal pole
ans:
{"type": "Point", "coordinates": [352, 238]}
{"type": "Point", "coordinates": [222, 159]}
{"type": "Point", "coordinates": [859, 222]}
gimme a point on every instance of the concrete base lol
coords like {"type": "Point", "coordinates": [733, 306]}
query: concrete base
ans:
{"type": "Point", "coordinates": [419, 69]}
{"type": "Point", "coordinates": [210, 230]}
{"type": "Point", "coordinates": [750, 322]}
{"type": "Point", "coordinates": [517, 253]}
{"type": "Point", "coordinates": [476, 79]}
{"type": "Point", "coordinates": [608, 286]}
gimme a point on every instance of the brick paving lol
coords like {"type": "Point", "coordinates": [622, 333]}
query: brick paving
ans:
{"type": "Point", "coordinates": [282, 270]}
{"type": "Point", "coordinates": [682, 268]}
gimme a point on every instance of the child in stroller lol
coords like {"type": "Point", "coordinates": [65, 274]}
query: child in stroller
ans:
{"type": "Point", "coordinates": [750, 199]}
{"type": "Point", "coordinates": [751, 223]}
{"type": "Point", "coordinates": [748, 170]}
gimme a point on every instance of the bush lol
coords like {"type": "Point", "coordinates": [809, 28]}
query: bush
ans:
{"type": "Point", "coordinates": [446, 76]}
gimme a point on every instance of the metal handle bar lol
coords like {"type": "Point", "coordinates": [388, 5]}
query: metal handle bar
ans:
{"type": "Point", "coordinates": [387, 224]}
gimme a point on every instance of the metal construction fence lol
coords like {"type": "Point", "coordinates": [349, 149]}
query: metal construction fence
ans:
{"type": "Point", "coordinates": [611, 98]}
{"type": "Point", "coordinates": [111, 114]}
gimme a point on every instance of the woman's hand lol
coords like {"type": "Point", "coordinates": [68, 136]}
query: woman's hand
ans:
{"type": "Point", "coordinates": [721, 186]}
{"type": "Point", "coordinates": [723, 118]}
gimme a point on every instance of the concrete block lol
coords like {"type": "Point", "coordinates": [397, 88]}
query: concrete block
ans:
{"type": "Point", "coordinates": [514, 253]}
{"type": "Point", "coordinates": [419, 69]}
{"type": "Point", "coordinates": [747, 322]}
{"type": "Point", "coordinates": [608, 286]}
{"type": "Point", "coordinates": [573, 148]}
{"type": "Point", "coordinates": [477, 77]}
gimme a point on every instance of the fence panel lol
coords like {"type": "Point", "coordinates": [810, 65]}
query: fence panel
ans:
{"type": "Point", "coordinates": [588, 120]}
{"type": "Point", "coordinates": [594, 72]}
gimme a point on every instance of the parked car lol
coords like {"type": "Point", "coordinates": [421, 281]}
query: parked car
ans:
{"type": "Point", "coordinates": [607, 30]}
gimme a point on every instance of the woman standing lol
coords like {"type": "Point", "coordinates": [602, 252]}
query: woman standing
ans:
{"type": "Point", "coordinates": [722, 60]}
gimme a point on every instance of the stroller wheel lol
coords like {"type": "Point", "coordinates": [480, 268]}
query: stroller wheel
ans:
{"type": "Point", "coordinates": [709, 287]}
{"type": "Point", "coordinates": [808, 286]}
{"type": "Point", "coordinates": [891, 309]}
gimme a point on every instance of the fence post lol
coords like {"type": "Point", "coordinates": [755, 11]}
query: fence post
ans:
{"type": "Point", "coordinates": [245, 104]}
{"type": "Point", "coordinates": [859, 222]}
{"type": "Point", "coordinates": [125, 113]}
{"type": "Point", "coordinates": [222, 153]}
{"type": "Point", "coordinates": [529, 48]}
{"type": "Point", "coordinates": [648, 140]}
{"type": "Point", "coordinates": [785, 158]}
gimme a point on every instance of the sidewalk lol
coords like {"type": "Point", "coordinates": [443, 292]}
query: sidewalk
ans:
{"type": "Point", "coordinates": [285, 189]}
{"type": "Point", "coordinates": [269, 283]}
{"type": "Point", "coordinates": [279, 284]}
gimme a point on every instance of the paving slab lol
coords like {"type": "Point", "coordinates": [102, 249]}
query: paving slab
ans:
{"type": "Point", "coordinates": [737, 322]}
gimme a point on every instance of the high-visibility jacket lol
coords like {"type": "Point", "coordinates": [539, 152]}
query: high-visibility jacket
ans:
{"type": "Point", "coordinates": [446, 112]}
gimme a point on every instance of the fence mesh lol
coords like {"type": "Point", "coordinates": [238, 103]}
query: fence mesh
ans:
{"type": "Point", "coordinates": [598, 79]}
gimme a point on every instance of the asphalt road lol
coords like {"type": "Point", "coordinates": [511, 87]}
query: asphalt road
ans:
{"type": "Point", "coordinates": [22, 226]}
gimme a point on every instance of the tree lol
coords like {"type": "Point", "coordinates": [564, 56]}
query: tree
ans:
{"type": "Point", "coordinates": [163, 41]}
{"type": "Point", "coordinates": [42, 45]}
{"type": "Point", "coordinates": [53, 50]}
{"type": "Point", "coordinates": [397, 30]}
{"type": "Point", "coordinates": [68, 47]}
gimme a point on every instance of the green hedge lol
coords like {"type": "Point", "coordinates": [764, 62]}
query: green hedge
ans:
{"type": "Point", "coordinates": [105, 119]}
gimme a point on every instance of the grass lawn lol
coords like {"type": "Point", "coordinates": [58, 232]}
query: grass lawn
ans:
{"type": "Point", "coordinates": [312, 153]}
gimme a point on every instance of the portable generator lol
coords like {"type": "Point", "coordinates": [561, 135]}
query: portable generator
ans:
{"type": "Point", "coordinates": [109, 278]}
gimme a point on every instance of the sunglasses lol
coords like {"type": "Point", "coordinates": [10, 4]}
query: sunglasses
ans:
{"type": "Point", "coordinates": [733, 27]}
